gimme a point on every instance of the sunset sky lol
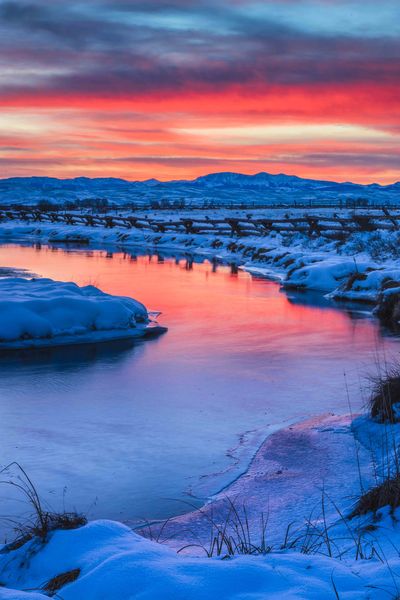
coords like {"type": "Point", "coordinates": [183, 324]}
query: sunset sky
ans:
{"type": "Point", "coordinates": [179, 88]}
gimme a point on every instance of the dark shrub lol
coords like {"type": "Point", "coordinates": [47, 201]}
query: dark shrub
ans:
{"type": "Point", "coordinates": [384, 494]}
{"type": "Point", "coordinates": [385, 398]}
{"type": "Point", "coordinates": [59, 581]}
{"type": "Point", "coordinates": [388, 309]}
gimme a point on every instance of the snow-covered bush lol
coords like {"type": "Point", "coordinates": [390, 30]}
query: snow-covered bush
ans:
{"type": "Point", "coordinates": [380, 245]}
{"type": "Point", "coordinates": [325, 275]}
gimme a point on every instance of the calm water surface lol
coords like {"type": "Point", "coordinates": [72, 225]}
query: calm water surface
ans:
{"type": "Point", "coordinates": [132, 432]}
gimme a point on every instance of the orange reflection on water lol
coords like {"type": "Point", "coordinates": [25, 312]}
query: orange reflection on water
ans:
{"type": "Point", "coordinates": [219, 302]}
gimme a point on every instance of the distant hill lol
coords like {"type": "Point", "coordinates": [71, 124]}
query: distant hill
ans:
{"type": "Point", "coordinates": [219, 189]}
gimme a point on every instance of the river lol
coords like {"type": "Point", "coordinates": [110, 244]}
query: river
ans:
{"type": "Point", "coordinates": [138, 431]}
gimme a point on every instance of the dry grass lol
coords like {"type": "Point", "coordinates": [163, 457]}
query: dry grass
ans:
{"type": "Point", "coordinates": [386, 493]}
{"type": "Point", "coordinates": [388, 309]}
{"type": "Point", "coordinates": [385, 395]}
{"type": "Point", "coordinates": [384, 406]}
{"type": "Point", "coordinates": [55, 584]}
{"type": "Point", "coordinates": [231, 534]}
{"type": "Point", "coordinates": [42, 521]}
{"type": "Point", "coordinates": [356, 276]}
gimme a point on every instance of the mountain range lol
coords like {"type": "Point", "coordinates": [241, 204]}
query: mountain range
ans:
{"type": "Point", "coordinates": [217, 188]}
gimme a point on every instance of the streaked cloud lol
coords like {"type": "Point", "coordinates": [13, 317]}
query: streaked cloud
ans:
{"type": "Point", "coordinates": [198, 79]}
{"type": "Point", "coordinates": [290, 132]}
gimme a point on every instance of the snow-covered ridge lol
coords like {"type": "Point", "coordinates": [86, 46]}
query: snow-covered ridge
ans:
{"type": "Point", "coordinates": [43, 312]}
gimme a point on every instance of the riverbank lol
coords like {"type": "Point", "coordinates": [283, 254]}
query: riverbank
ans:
{"type": "Point", "coordinates": [360, 268]}
{"type": "Point", "coordinates": [326, 556]}
{"type": "Point", "coordinates": [285, 482]}
{"type": "Point", "coordinates": [110, 562]}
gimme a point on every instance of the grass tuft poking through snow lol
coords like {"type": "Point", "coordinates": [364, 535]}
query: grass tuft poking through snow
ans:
{"type": "Point", "coordinates": [386, 493]}
{"type": "Point", "coordinates": [384, 406]}
{"type": "Point", "coordinates": [234, 536]}
{"type": "Point", "coordinates": [385, 398]}
{"type": "Point", "coordinates": [55, 584]}
{"type": "Point", "coordinates": [42, 521]}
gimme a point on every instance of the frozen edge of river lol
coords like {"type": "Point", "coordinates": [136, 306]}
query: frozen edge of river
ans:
{"type": "Point", "coordinates": [285, 479]}
{"type": "Point", "coordinates": [116, 563]}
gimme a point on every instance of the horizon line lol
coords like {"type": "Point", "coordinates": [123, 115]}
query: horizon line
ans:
{"type": "Point", "coordinates": [342, 182]}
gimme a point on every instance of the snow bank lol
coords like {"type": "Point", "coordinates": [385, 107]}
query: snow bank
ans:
{"type": "Point", "coordinates": [117, 564]}
{"type": "Point", "coordinates": [368, 284]}
{"type": "Point", "coordinates": [326, 275]}
{"type": "Point", "coordinates": [43, 312]}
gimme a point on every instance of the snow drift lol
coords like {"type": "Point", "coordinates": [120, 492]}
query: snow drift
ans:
{"type": "Point", "coordinates": [117, 564]}
{"type": "Point", "coordinates": [43, 312]}
{"type": "Point", "coordinates": [325, 275]}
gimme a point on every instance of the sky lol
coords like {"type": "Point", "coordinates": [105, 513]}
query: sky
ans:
{"type": "Point", "coordinates": [174, 89]}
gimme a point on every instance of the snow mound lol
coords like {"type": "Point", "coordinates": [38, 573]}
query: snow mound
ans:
{"type": "Point", "coordinates": [368, 286]}
{"type": "Point", "coordinates": [43, 312]}
{"type": "Point", "coordinates": [326, 275]}
{"type": "Point", "coordinates": [117, 564]}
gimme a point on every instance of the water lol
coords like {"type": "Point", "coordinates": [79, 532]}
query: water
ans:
{"type": "Point", "coordinates": [132, 432]}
